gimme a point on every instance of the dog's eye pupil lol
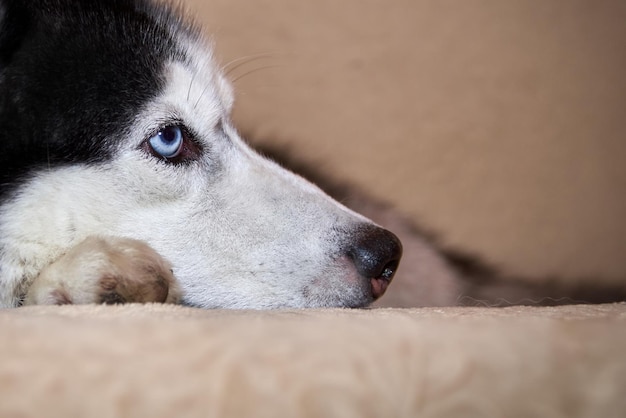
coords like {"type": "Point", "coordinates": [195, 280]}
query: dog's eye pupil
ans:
{"type": "Point", "coordinates": [167, 142]}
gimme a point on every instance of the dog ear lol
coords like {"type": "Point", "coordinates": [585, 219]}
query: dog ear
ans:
{"type": "Point", "coordinates": [15, 23]}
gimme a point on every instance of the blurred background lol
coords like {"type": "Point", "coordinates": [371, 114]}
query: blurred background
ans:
{"type": "Point", "coordinates": [498, 125]}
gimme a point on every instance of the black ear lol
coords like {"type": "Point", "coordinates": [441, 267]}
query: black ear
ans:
{"type": "Point", "coordinates": [15, 22]}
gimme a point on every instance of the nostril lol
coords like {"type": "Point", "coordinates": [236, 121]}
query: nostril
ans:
{"type": "Point", "coordinates": [376, 253]}
{"type": "Point", "coordinates": [389, 270]}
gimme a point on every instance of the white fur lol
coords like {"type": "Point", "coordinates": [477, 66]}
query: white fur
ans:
{"type": "Point", "coordinates": [239, 230]}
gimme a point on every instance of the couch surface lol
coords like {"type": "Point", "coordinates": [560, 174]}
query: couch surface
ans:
{"type": "Point", "coordinates": [173, 361]}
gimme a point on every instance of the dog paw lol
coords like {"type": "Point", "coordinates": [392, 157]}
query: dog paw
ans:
{"type": "Point", "coordinates": [106, 270]}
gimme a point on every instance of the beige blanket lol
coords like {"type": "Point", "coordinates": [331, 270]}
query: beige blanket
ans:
{"type": "Point", "coordinates": [171, 361]}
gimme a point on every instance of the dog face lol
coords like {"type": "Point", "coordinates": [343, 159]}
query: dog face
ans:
{"type": "Point", "coordinates": [114, 120]}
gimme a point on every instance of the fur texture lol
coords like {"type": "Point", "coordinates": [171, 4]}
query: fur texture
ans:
{"type": "Point", "coordinates": [91, 94]}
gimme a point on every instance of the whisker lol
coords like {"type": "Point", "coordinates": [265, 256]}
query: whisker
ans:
{"type": "Point", "coordinates": [193, 77]}
{"type": "Point", "coordinates": [234, 65]}
{"type": "Point", "coordinates": [254, 70]}
{"type": "Point", "coordinates": [238, 62]}
{"type": "Point", "coordinates": [200, 97]}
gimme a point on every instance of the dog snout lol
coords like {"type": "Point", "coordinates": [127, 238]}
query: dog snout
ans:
{"type": "Point", "coordinates": [376, 254]}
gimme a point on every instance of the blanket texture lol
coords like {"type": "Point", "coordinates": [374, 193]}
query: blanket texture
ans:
{"type": "Point", "coordinates": [172, 361]}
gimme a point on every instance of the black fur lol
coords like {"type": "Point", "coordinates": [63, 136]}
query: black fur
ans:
{"type": "Point", "coordinates": [73, 74]}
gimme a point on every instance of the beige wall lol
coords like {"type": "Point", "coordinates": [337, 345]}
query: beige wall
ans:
{"type": "Point", "coordinates": [498, 124]}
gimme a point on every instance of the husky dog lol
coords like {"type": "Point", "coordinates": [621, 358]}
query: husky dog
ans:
{"type": "Point", "coordinates": [124, 180]}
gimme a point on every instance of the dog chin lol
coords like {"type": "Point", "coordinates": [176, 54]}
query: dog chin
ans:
{"type": "Point", "coordinates": [356, 297]}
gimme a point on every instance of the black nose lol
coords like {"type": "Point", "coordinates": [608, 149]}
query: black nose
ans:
{"type": "Point", "coordinates": [376, 253]}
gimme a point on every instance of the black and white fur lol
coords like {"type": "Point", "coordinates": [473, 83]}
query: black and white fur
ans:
{"type": "Point", "coordinates": [85, 88]}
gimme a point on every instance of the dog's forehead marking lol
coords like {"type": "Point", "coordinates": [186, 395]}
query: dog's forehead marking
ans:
{"type": "Point", "coordinates": [197, 100]}
{"type": "Point", "coordinates": [195, 92]}
{"type": "Point", "coordinates": [201, 67]}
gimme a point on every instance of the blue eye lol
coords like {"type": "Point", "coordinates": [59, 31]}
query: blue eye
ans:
{"type": "Point", "coordinates": [167, 142]}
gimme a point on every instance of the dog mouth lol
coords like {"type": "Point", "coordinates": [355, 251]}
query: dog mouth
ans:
{"type": "Point", "coordinates": [346, 285]}
{"type": "Point", "coordinates": [342, 285]}
{"type": "Point", "coordinates": [354, 274]}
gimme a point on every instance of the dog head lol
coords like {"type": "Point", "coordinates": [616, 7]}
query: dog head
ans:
{"type": "Point", "coordinates": [114, 120]}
